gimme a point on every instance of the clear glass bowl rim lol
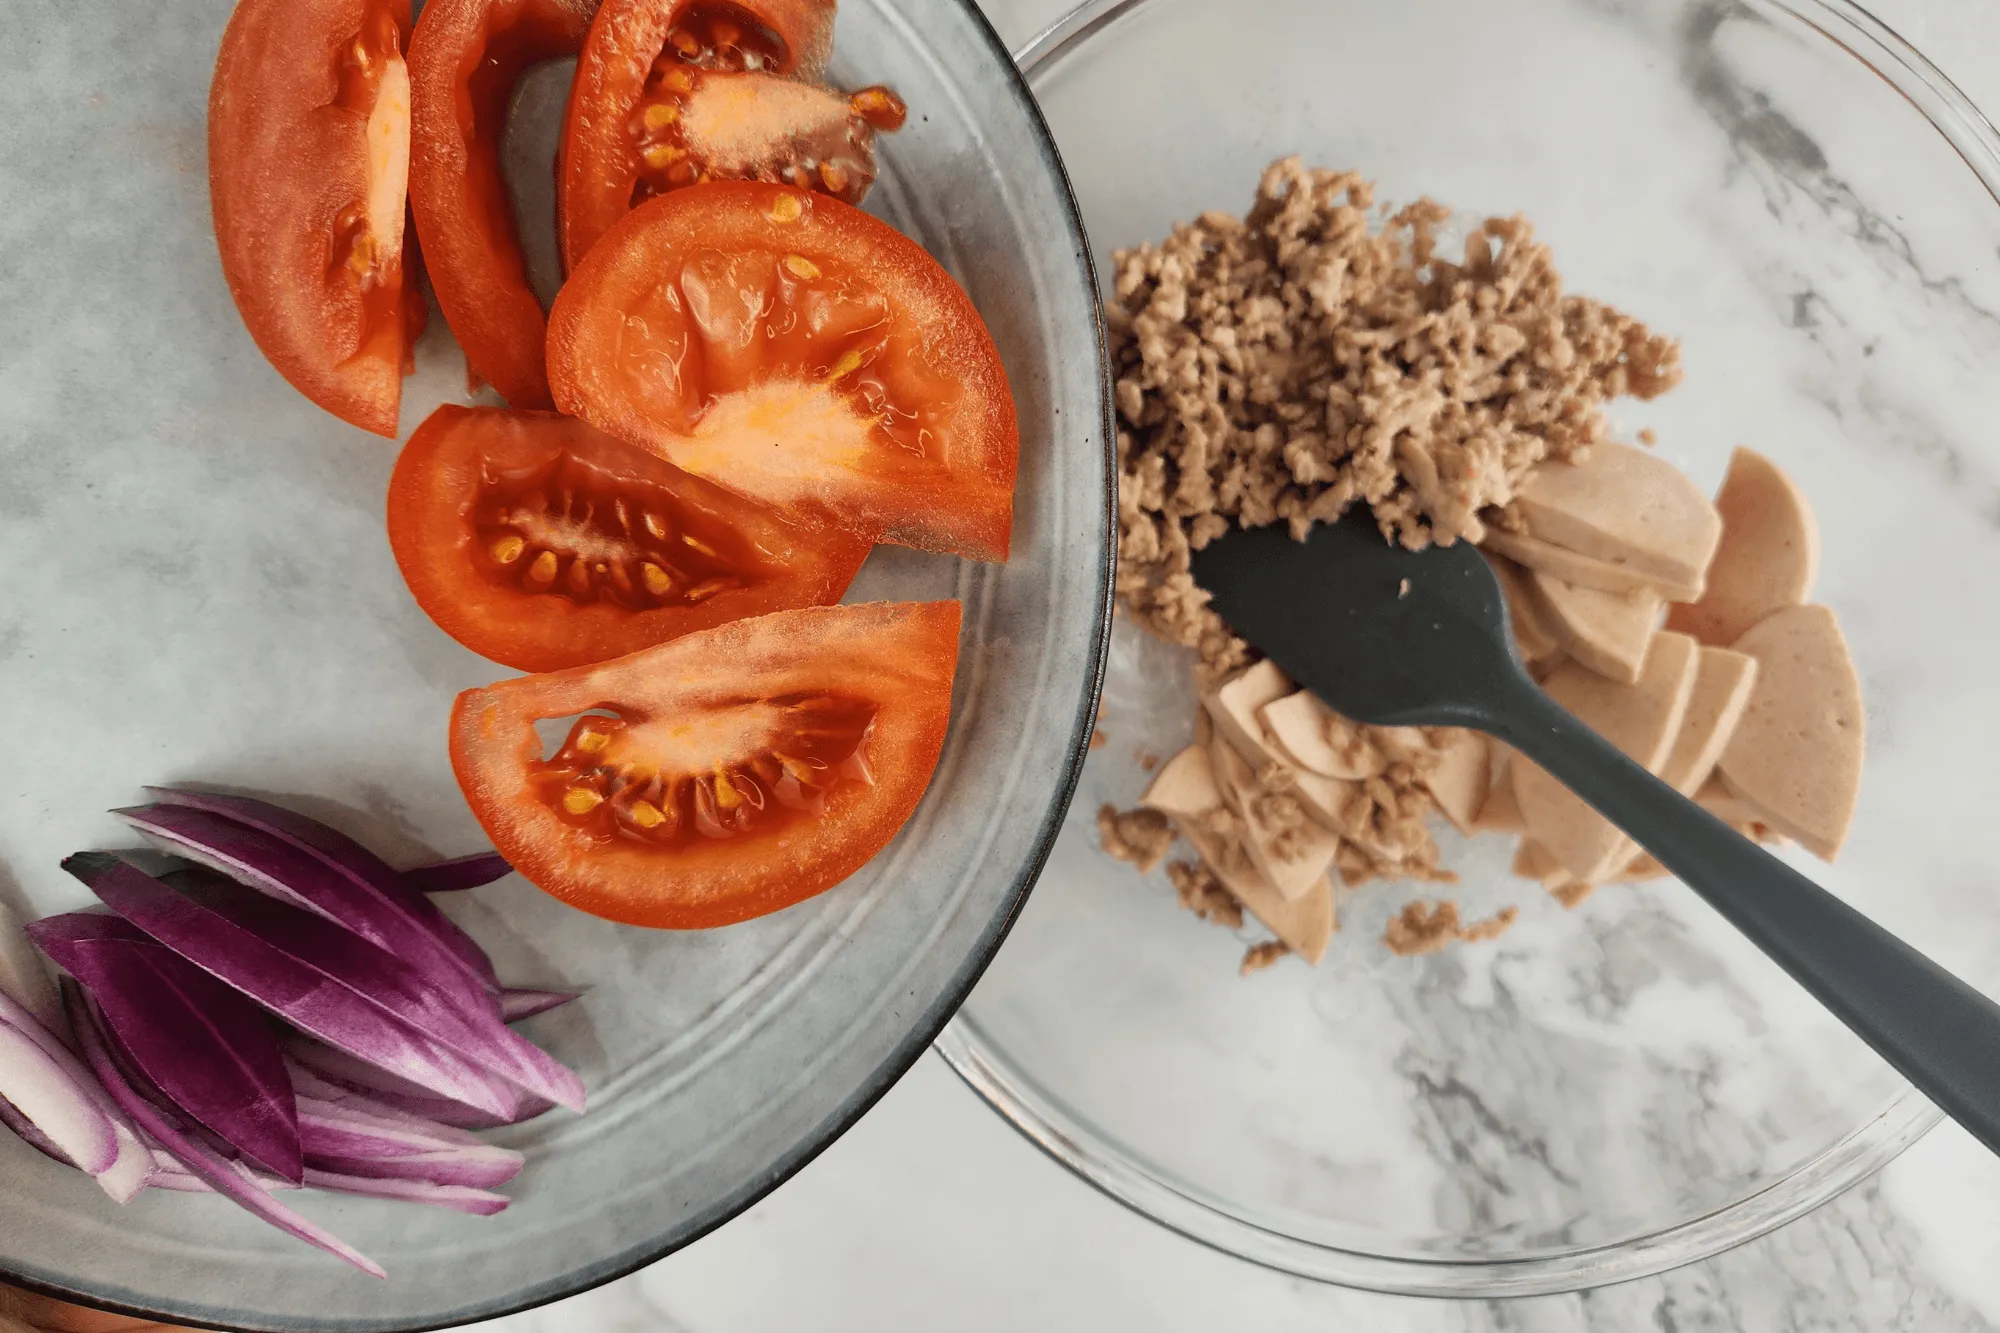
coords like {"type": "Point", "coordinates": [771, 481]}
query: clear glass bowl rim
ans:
{"type": "Point", "coordinates": [1128, 1178]}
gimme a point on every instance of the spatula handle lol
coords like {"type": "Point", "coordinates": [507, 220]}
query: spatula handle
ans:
{"type": "Point", "coordinates": [1940, 1033]}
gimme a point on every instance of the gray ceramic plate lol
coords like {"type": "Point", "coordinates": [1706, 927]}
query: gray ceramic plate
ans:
{"type": "Point", "coordinates": [201, 592]}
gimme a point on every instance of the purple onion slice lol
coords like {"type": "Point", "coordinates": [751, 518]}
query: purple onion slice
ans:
{"type": "Point", "coordinates": [202, 1162]}
{"type": "Point", "coordinates": [208, 1050]}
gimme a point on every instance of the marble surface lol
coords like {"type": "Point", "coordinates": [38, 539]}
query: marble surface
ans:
{"type": "Point", "coordinates": [932, 1213]}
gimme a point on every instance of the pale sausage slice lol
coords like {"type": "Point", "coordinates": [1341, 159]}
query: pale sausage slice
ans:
{"type": "Point", "coordinates": [1562, 563]}
{"type": "Point", "coordinates": [1500, 812]}
{"type": "Point", "coordinates": [1184, 788]}
{"type": "Point", "coordinates": [1536, 862]}
{"type": "Point", "coordinates": [1625, 506]}
{"type": "Point", "coordinates": [1722, 685]}
{"type": "Point", "coordinates": [1768, 558]}
{"type": "Point", "coordinates": [1533, 638]}
{"type": "Point", "coordinates": [1796, 755]}
{"type": "Point", "coordinates": [1726, 805]}
{"type": "Point", "coordinates": [1313, 847]}
{"type": "Point", "coordinates": [1606, 631]}
{"type": "Point", "coordinates": [1320, 740]}
{"type": "Point", "coordinates": [1458, 780]}
{"type": "Point", "coordinates": [1715, 704]}
{"type": "Point", "coordinates": [1304, 923]}
{"type": "Point", "coordinates": [1721, 690]}
{"type": "Point", "coordinates": [1233, 709]}
{"type": "Point", "coordinates": [1640, 719]}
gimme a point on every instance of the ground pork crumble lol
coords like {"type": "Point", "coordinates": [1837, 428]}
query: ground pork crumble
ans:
{"type": "Point", "coordinates": [1423, 927]}
{"type": "Point", "coordinates": [1283, 366]}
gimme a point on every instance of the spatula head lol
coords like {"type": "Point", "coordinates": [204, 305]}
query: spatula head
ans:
{"type": "Point", "coordinates": [1382, 634]}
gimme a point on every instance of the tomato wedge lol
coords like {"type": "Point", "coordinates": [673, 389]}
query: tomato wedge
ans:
{"type": "Point", "coordinates": [800, 352]}
{"type": "Point", "coordinates": [542, 543]}
{"type": "Point", "coordinates": [308, 159]}
{"type": "Point", "coordinates": [670, 92]}
{"type": "Point", "coordinates": [465, 59]}
{"type": "Point", "coordinates": [721, 776]}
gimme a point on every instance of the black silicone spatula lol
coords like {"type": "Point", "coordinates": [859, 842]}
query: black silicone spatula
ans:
{"type": "Point", "coordinates": [1396, 637]}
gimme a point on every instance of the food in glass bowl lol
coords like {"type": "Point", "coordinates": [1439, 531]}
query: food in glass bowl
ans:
{"type": "Point", "coordinates": [1285, 366]}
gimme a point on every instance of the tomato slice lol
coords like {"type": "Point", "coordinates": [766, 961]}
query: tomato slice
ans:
{"type": "Point", "coordinates": [308, 159]}
{"type": "Point", "coordinates": [800, 352]}
{"type": "Point", "coordinates": [721, 776]}
{"type": "Point", "coordinates": [542, 543]}
{"type": "Point", "coordinates": [671, 92]}
{"type": "Point", "coordinates": [465, 59]}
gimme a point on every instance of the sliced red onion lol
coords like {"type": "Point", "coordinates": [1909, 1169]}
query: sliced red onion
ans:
{"type": "Point", "coordinates": [207, 1049]}
{"type": "Point", "coordinates": [192, 1153]}
{"type": "Point", "coordinates": [22, 975]}
{"type": "Point", "coordinates": [384, 1089]}
{"type": "Point", "coordinates": [480, 1203]}
{"type": "Point", "coordinates": [179, 1182]}
{"type": "Point", "coordinates": [301, 861]}
{"type": "Point", "coordinates": [343, 1140]}
{"type": "Point", "coordinates": [516, 1005]}
{"type": "Point", "coordinates": [459, 873]}
{"type": "Point", "coordinates": [170, 1174]}
{"type": "Point", "coordinates": [344, 1127]}
{"type": "Point", "coordinates": [459, 1167]}
{"type": "Point", "coordinates": [339, 852]}
{"type": "Point", "coordinates": [26, 1130]}
{"type": "Point", "coordinates": [305, 996]}
{"type": "Point", "coordinates": [55, 1103]}
{"type": "Point", "coordinates": [386, 981]}
{"type": "Point", "coordinates": [126, 1176]}
{"type": "Point", "coordinates": [331, 1099]}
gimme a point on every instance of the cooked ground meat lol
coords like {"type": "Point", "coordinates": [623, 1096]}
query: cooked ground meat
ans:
{"type": "Point", "coordinates": [1138, 837]}
{"type": "Point", "coordinates": [1425, 927]}
{"type": "Point", "coordinates": [1202, 893]}
{"type": "Point", "coordinates": [1285, 365]}
{"type": "Point", "coordinates": [1260, 956]}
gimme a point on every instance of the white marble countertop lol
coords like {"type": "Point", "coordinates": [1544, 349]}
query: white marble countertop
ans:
{"type": "Point", "coordinates": [933, 1214]}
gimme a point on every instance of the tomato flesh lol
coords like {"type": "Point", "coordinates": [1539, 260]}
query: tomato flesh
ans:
{"type": "Point", "coordinates": [309, 151]}
{"type": "Point", "coordinates": [698, 125]}
{"type": "Point", "coordinates": [465, 59]}
{"type": "Point", "coordinates": [540, 542]}
{"type": "Point", "coordinates": [741, 75]}
{"type": "Point", "coordinates": [796, 351]}
{"type": "Point", "coordinates": [770, 763]}
{"type": "Point", "coordinates": [721, 776]}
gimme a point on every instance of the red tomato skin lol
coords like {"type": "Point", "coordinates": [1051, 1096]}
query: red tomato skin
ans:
{"type": "Point", "coordinates": [465, 58]}
{"type": "Point", "coordinates": [431, 496]}
{"type": "Point", "coordinates": [599, 164]}
{"type": "Point", "coordinates": [967, 511]}
{"type": "Point", "coordinates": [283, 162]}
{"type": "Point", "coordinates": [902, 654]}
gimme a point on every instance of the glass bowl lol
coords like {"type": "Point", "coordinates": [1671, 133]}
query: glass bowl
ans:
{"type": "Point", "coordinates": [1612, 1091]}
{"type": "Point", "coordinates": [213, 601]}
